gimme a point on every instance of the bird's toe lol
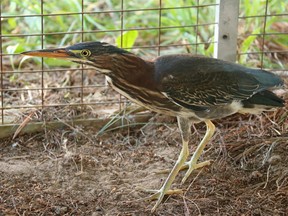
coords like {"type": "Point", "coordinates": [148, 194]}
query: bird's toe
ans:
{"type": "Point", "coordinates": [159, 195]}
{"type": "Point", "coordinates": [192, 166]}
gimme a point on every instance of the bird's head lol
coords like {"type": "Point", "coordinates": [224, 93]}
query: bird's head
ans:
{"type": "Point", "coordinates": [97, 54]}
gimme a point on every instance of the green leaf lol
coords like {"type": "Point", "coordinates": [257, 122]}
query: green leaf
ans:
{"type": "Point", "coordinates": [128, 39]}
{"type": "Point", "coordinates": [12, 48]}
{"type": "Point", "coordinates": [52, 62]}
{"type": "Point", "coordinates": [12, 23]}
{"type": "Point", "coordinates": [22, 61]}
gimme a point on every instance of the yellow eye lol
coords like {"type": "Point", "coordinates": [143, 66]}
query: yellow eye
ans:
{"type": "Point", "coordinates": [85, 53]}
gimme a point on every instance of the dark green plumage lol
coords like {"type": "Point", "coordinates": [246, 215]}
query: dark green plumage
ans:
{"type": "Point", "coordinates": [263, 98]}
{"type": "Point", "coordinates": [200, 83]}
{"type": "Point", "coordinates": [98, 48]}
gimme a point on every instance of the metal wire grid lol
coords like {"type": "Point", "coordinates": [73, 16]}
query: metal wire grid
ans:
{"type": "Point", "coordinates": [266, 34]}
{"type": "Point", "coordinates": [154, 49]}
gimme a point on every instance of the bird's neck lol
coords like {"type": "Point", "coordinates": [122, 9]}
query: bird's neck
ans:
{"type": "Point", "coordinates": [132, 69]}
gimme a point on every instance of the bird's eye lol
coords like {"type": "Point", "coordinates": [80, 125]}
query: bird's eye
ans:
{"type": "Point", "coordinates": [85, 53]}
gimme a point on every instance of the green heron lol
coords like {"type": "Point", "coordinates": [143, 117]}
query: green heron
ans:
{"type": "Point", "coordinates": [192, 88]}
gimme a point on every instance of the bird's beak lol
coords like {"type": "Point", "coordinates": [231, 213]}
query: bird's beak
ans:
{"type": "Point", "coordinates": [50, 53]}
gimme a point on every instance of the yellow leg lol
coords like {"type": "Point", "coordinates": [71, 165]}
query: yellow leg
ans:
{"type": "Point", "coordinates": [184, 125]}
{"type": "Point", "coordinates": [192, 164]}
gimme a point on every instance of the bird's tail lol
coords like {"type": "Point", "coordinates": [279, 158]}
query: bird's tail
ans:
{"type": "Point", "coordinates": [264, 100]}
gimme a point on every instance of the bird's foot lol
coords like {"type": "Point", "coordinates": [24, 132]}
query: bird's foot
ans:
{"type": "Point", "coordinates": [192, 166]}
{"type": "Point", "coordinates": [159, 195]}
{"type": "Point", "coordinates": [188, 166]}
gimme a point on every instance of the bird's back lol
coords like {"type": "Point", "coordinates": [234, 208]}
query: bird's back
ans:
{"type": "Point", "coordinates": [187, 65]}
{"type": "Point", "coordinates": [215, 88]}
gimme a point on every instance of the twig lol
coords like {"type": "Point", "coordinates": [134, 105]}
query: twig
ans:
{"type": "Point", "coordinates": [23, 124]}
{"type": "Point", "coordinates": [267, 177]}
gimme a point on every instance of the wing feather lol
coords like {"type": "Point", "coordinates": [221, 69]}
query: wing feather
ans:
{"type": "Point", "coordinates": [204, 82]}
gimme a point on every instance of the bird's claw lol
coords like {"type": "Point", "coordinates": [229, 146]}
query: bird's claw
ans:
{"type": "Point", "coordinates": [188, 166]}
{"type": "Point", "coordinates": [159, 195]}
{"type": "Point", "coordinates": [191, 166]}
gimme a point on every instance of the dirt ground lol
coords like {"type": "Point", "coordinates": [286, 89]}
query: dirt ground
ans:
{"type": "Point", "coordinates": [73, 172]}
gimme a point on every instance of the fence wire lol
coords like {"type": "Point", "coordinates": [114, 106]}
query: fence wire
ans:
{"type": "Point", "coordinates": [46, 90]}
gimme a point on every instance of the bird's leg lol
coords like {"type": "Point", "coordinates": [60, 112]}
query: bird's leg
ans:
{"type": "Point", "coordinates": [184, 126]}
{"type": "Point", "coordinates": [192, 164]}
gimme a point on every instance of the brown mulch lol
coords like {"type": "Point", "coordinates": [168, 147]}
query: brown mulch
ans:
{"type": "Point", "coordinates": [65, 173]}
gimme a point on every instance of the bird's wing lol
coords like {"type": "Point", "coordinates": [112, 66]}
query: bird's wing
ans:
{"type": "Point", "coordinates": [204, 83]}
